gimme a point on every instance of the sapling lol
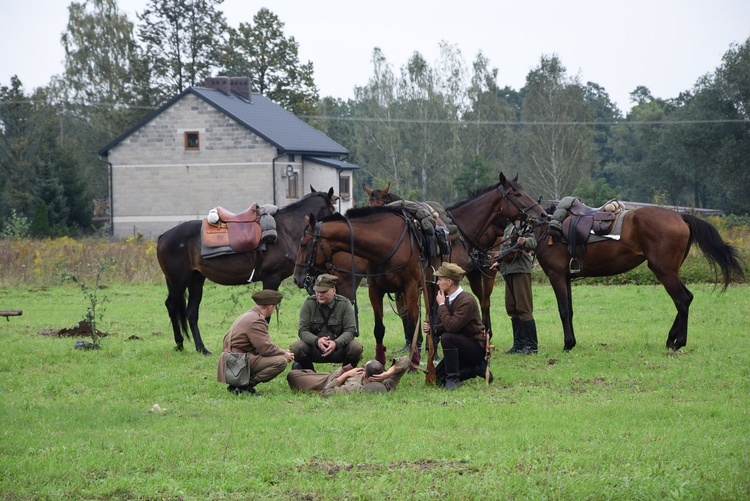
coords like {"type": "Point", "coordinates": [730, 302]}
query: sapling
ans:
{"type": "Point", "coordinates": [95, 302]}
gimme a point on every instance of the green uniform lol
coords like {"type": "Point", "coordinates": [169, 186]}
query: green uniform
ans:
{"type": "Point", "coordinates": [334, 320]}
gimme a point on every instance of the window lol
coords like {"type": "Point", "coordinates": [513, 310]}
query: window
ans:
{"type": "Point", "coordinates": [344, 187]}
{"type": "Point", "coordinates": [192, 141]}
{"type": "Point", "coordinates": [291, 185]}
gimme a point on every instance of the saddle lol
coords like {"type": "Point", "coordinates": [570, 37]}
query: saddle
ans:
{"type": "Point", "coordinates": [585, 223]}
{"type": "Point", "coordinates": [224, 232]}
{"type": "Point", "coordinates": [431, 232]}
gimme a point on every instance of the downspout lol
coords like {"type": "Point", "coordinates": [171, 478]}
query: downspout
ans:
{"type": "Point", "coordinates": [339, 170]}
{"type": "Point", "coordinates": [109, 188]}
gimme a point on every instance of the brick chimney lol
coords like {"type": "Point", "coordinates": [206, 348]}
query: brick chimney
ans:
{"type": "Point", "coordinates": [228, 85]}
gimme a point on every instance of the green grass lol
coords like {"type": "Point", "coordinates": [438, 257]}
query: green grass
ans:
{"type": "Point", "coordinates": [618, 417]}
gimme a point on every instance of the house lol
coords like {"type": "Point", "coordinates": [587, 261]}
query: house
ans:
{"type": "Point", "coordinates": [222, 145]}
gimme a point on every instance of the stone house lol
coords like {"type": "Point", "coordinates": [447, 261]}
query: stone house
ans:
{"type": "Point", "coordinates": [222, 145]}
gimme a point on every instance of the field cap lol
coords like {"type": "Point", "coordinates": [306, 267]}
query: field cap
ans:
{"type": "Point", "coordinates": [450, 270]}
{"type": "Point", "coordinates": [267, 296]}
{"type": "Point", "coordinates": [325, 282]}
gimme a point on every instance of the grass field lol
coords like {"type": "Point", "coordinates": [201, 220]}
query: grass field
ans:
{"type": "Point", "coordinates": [618, 417]}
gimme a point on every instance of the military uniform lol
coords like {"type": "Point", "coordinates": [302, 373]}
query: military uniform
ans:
{"type": "Point", "coordinates": [328, 384]}
{"type": "Point", "coordinates": [461, 332]}
{"type": "Point", "coordinates": [249, 334]}
{"type": "Point", "coordinates": [335, 321]}
{"type": "Point", "coordinates": [519, 301]}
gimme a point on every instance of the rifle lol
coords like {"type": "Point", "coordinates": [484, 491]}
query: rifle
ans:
{"type": "Point", "coordinates": [487, 356]}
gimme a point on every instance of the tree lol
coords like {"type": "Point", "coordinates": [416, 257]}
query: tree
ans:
{"type": "Point", "coordinates": [557, 144]}
{"type": "Point", "coordinates": [260, 51]}
{"type": "Point", "coordinates": [488, 135]}
{"type": "Point", "coordinates": [182, 39]}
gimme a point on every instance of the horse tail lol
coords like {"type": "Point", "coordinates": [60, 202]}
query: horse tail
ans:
{"type": "Point", "coordinates": [714, 248]}
{"type": "Point", "coordinates": [177, 308]}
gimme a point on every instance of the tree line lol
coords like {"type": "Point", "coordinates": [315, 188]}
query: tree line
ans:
{"type": "Point", "coordinates": [434, 130]}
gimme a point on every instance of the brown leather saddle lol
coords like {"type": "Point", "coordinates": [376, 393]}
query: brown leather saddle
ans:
{"type": "Point", "coordinates": [241, 232]}
{"type": "Point", "coordinates": [584, 223]}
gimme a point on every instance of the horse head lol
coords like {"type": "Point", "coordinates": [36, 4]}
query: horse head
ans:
{"type": "Point", "coordinates": [309, 262]}
{"type": "Point", "coordinates": [378, 198]}
{"type": "Point", "coordinates": [518, 204]}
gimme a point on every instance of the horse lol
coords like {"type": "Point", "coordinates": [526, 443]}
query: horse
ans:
{"type": "Point", "coordinates": [351, 271]}
{"type": "Point", "coordinates": [659, 236]}
{"type": "Point", "coordinates": [370, 233]}
{"type": "Point", "coordinates": [179, 253]}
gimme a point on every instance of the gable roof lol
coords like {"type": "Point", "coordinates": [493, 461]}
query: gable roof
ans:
{"type": "Point", "coordinates": [260, 115]}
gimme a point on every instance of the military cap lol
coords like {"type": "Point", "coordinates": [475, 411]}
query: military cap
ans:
{"type": "Point", "coordinates": [267, 296]}
{"type": "Point", "coordinates": [325, 282]}
{"type": "Point", "coordinates": [450, 270]}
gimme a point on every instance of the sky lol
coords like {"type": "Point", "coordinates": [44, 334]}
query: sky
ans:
{"type": "Point", "coordinates": [664, 45]}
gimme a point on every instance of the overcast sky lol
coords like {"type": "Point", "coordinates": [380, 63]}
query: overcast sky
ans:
{"type": "Point", "coordinates": [665, 45]}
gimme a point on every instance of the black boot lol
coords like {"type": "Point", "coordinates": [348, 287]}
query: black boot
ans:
{"type": "Point", "coordinates": [531, 344]}
{"type": "Point", "coordinates": [518, 337]}
{"type": "Point", "coordinates": [452, 376]}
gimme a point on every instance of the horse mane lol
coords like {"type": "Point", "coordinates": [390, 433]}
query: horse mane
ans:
{"type": "Point", "coordinates": [474, 193]}
{"type": "Point", "coordinates": [357, 212]}
{"type": "Point", "coordinates": [388, 198]}
{"type": "Point", "coordinates": [336, 216]}
{"type": "Point", "coordinates": [304, 199]}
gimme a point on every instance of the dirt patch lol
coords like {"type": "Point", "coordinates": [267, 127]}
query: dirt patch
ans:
{"type": "Point", "coordinates": [83, 329]}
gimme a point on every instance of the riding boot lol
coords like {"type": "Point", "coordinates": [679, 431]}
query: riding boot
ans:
{"type": "Point", "coordinates": [530, 340]}
{"type": "Point", "coordinates": [452, 374]}
{"type": "Point", "coordinates": [518, 337]}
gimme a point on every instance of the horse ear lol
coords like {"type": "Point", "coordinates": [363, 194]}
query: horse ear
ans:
{"type": "Point", "coordinates": [310, 219]}
{"type": "Point", "coordinates": [312, 190]}
{"type": "Point", "coordinates": [515, 179]}
{"type": "Point", "coordinates": [384, 191]}
{"type": "Point", "coordinates": [503, 181]}
{"type": "Point", "coordinates": [368, 190]}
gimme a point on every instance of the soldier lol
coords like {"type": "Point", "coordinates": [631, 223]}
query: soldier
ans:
{"type": "Point", "coordinates": [370, 378]}
{"type": "Point", "coordinates": [327, 328]}
{"type": "Point", "coordinates": [516, 263]}
{"type": "Point", "coordinates": [249, 334]}
{"type": "Point", "coordinates": [460, 327]}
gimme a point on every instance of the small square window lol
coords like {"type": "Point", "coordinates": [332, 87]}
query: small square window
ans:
{"type": "Point", "coordinates": [192, 141]}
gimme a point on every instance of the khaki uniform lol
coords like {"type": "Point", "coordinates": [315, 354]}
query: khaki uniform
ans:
{"type": "Point", "coordinates": [249, 334]}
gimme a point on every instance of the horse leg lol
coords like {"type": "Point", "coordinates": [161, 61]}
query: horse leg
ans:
{"type": "Point", "coordinates": [681, 297]}
{"type": "Point", "coordinates": [561, 286]}
{"type": "Point", "coordinates": [376, 300]}
{"type": "Point", "coordinates": [195, 294]}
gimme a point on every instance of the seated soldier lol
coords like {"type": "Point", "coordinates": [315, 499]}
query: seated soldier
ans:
{"type": "Point", "coordinates": [327, 328]}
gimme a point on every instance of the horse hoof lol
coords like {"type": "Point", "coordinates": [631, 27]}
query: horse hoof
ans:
{"type": "Point", "coordinates": [206, 352]}
{"type": "Point", "coordinates": [179, 347]}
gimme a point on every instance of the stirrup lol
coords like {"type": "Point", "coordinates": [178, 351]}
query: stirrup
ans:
{"type": "Point", "coordinates": [575, 265]}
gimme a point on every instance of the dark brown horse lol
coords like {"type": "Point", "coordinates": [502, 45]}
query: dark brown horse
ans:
{"type": "Point", "coordinates": [179, 254]}
{"type": "Point", "coordinates": [383, 237]}
{"type": "Point", "coordinates": [659, 236]}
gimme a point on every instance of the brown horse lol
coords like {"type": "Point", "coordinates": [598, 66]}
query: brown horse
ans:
{"type": "Point", "coordinates": [179, 254]}
{"type": "Point", "coordinates": [370, 233]}
{"type": "Point", "coordinates": [659, 236]}
{"type": "Point", "coordinates": [351, 272]}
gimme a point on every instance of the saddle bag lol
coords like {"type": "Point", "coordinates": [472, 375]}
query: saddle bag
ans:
{"type": "Point", "coordinates": [603, 223]}
{"type": "Point", "coordinates": [236, 369]}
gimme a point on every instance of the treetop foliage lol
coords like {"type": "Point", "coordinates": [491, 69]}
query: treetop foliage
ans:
{"type": "Point", "coordinates": [433, 129]}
